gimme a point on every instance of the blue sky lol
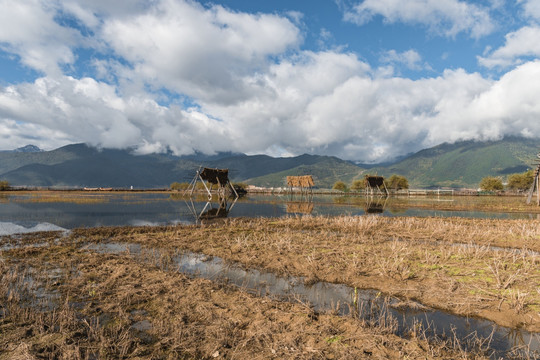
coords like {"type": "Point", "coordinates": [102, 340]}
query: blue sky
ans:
{"type": "Point", "coordinates": [365, 80]}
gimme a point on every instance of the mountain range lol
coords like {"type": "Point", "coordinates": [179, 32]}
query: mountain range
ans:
{"type": "Point", "coordinates": [457, 165]}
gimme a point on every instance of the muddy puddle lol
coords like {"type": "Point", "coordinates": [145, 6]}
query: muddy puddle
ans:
{"type": "Point", "coordinates": [406, 318]}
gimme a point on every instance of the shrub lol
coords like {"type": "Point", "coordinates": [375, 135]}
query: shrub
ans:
{"type": "Point", "coordinates": [396, 182]}
{"type": "Point", "coordinates": [4, 185]}
{"type": "Point", "coordinates": [200, 185]}
{"type": "Point", "coordinates": [490, 183]}
{"type": "Point", "coordinates": [521, 181]}
{"type": "Point", "coordinates": [339, 185]}
{"type": "Point", "coordinates": [179, 186]}
{"type": "Point", "coordinates": [358, 185]}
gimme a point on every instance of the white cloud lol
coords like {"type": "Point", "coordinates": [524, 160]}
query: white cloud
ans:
{"type": "Point", "coordinates": [203, 53]}
{"type": "Point", "coordinates": [446, 17]}
{"type": "Point", "coordinates": [410, 58]}
{"type": "Point", "coordinates": [369, 118]}
{"type": "Point", "coordinates": [344, 110]}
{"type": "Point", "coordinates": [531, 8]}
{"type": "Point", "coordinates": [521, 43]}
{"type": "Point", "coordinates": [28, 29]}
{"type": "Point", "coordinates": [14, 134]}
{"type": "Point", "coordinates": [254, 89]}
{"type": "Point", "coordinates": [89, 111]}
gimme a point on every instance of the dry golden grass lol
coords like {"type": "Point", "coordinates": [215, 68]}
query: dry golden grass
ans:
{"type": "Point", "coordinates": [444, 263]}
{"type": "Point", "coordinates": [114, 306]}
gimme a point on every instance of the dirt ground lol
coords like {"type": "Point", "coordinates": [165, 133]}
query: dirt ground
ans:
{"type": "Point", "coordinates": [59, 299]}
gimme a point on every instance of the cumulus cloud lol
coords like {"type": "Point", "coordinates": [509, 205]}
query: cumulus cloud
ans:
{"type": "Point", "coordinates": [519, 44]}
{"type": "Point", "coordinates": [373, 119]}
{"type": "Point", "coordinates": [445, 17]}
{"type": "Point", "coordinates": [345, 110]}
{"type": "Point", "coordinates": [201, 52]}
{"type": "Point", "coordinates": [29, 30]}
{"type": "Point", "coordinates": [531, 8]}
{"type": "Point", "coordinates": [14, 134]}
{"type": "Point", "coordinates": [250, 87]}
{"type": "Point", "coordinates": [85, 110]}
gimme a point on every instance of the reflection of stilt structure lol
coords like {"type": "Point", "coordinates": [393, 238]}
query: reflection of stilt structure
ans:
{"type": "Point", "coordinates": [209, 212]}
{"type": "Point", "coordinates": [374, 185]}
{"type": "Point", "coordinates": [299, 207]}
{"type": "Point", "coordinates": [375, 205]}
{"type": "Point", "coordinates": [535, 184]}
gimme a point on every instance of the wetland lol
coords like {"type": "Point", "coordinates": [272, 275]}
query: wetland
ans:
{"type": "Point", "coordinates": [326, 280]}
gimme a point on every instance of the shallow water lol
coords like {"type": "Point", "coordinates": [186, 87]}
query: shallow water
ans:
{"type": "Point", "coordinates": [370, 305]}
{"type": "Point", "coordinates": [30, 212]}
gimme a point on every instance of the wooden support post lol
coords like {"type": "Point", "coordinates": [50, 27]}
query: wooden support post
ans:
{"type": "Point", "coordinates": [537, 189]}
{"type": "Point", "coordinates": [206, 187]}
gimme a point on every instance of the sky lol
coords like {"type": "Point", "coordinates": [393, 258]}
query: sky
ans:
{"type": "Point", "coordinates": [363, 80]}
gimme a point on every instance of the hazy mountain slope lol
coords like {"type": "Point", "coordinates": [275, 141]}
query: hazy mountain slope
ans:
{"type": "Point", "coordinates": [11, 160]}
{"type": "Point", "coordinates": [244, 167]}
{"type": "Point", "coordinates": [326, 171]}
{"type": "Point", "coordinates": [464, 164]}
{"type": "Point", "coordinates": [461, 164]}
{"type": "Point", "coordinates": [80, 165]}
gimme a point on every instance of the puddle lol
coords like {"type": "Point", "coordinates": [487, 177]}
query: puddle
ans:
{"type": "Point", "coordinates": [34, 293]}
{"type": "Point", "coordinates": [370, 305]}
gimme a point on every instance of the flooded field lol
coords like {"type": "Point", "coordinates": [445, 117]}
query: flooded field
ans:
{"type": "Point", "coordinates": [459, 279]}
{"type": "Point", "coordinates": [38, 211]}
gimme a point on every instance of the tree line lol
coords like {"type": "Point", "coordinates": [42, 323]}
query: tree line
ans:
{"type": "Point", "coordinates": [516, 182]}
{"type": "Point", "coordinates": [394, 182]}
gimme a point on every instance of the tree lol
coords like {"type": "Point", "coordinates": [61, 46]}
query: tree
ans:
{"type": "Point", "coordinates": [4, 185]}
{"type": "Point", "coordinates": [521, 181]}
{"type": "Point", "coordinates": [490, 183]}
{"type": "Point", "coordinates": [339, 185]}
{"type": "Point", "coordinates": [396, 182]}
{"type": "Point", "coordinates": [358, 185]}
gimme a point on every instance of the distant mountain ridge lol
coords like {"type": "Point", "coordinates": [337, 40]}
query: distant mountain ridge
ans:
{"type": "Point", "coordinates": [462, 164]}
{"type": "Point", "coordinates": [26, 149]}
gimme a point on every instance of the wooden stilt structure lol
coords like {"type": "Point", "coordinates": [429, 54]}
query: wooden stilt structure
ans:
{"type": "Point", "coordinates": [219, 177]}
{"type": "Point", "coordinates": [374, 184]}
{"type": "Point", "coordinates": [535, 185]}
{"type": "Point", "coordinates": [305, 183]}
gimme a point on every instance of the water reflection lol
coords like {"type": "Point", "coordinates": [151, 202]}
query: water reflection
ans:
{"type": "Point", "coordinates": [375, 204]}
{"type": "Point", "coordinates": [27, 210]}
{"type": "Point", "coordinates": [211, 211]}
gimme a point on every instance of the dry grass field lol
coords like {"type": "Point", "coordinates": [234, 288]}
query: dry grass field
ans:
{"type": "Point", "coordinates": [60, 299]}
